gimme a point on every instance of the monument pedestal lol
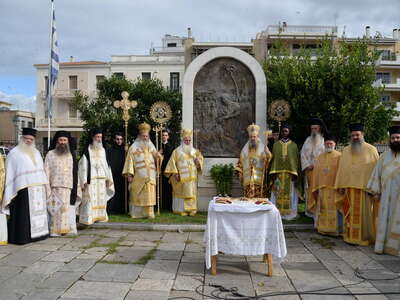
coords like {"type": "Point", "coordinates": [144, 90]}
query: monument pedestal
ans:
{"type": "Point", "coordinates": [206, 187]}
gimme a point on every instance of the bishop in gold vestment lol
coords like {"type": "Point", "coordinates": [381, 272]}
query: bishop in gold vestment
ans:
{"type": "Point", "coordinates": [183, 169]}
{"type": "Point", "coordinates": [356, 165]}
{"type": "Point", "coordinates": [253, 164]}
{"type": "Point", "coordinates": [140, 168]}
{"type": "Point", "coordinates": [328, 219]}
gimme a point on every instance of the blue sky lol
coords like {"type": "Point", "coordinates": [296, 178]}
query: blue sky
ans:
{"type": "Point", "coordinates": [96, 29]}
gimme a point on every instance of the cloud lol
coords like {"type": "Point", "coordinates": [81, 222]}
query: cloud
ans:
{"type": "Point", "coordinates": [97, 29]}
{"type": "Point", "coordinates": [20, 102]}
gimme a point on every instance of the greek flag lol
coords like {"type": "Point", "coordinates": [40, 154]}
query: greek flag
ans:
{"type": "Point", "coordinates": [54, 63]}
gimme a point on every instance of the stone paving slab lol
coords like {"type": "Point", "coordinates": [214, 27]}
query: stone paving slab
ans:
{"type": "Point", "coordinates": [152, 285]}
{"type": "Point", "coordinates": [61, 256]}
{"type": "Point", "coordinates": [147, 295]}
{"type": "Point", "coordinates": [23, 258]}
{"type": "Point", "coordinates": [173, 266]}
{"type": "Point", "coordinates": [114, 273]}
{"type": "Point", "coordinates": [98, 290]}
{"type": "Point", "coordinates": [160, 269]}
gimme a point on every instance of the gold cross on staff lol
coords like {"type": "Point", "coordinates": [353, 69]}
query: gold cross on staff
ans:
{"type": "Point", "coordinates": [125, 104]}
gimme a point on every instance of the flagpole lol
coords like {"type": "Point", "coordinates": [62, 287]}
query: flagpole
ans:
{"type": "Point", "coordinates": [49, 78]}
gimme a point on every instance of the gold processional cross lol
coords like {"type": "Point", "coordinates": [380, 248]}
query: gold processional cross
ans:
{"type": "Point", "coordinates": [125, 105]}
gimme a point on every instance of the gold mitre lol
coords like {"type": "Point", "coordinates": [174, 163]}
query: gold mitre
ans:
{"type": "Point", "coordinates": [253, 129]}
{"type": "Point", "coordinates": [186, 132]}
{"type": "Point", "coordinates": [144, 128]}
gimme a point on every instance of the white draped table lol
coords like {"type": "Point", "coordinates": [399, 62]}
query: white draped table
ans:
{"type": "Point", "coordinates": [244, 228]}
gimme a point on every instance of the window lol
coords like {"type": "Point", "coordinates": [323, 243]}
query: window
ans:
{"type": "Point", "coordinates": [22, 124]}
{"type": "Point", "coordinates": [30, 124]}
{"type": "Point", "coordinates": [384, 76]}
{"type": "Point", "coordinates": [119, 74]}
{"type": "Point", "coordinates": [46, 85]}
{"type": "Point", "coordinates": [73, 82]}
{"type": "Point", "coordinates": [146, 75]}
{"type": "Point", "coordinates": [174, 81]}
{"type": "Point", "coordinates": [100, 78]}
{"type": "Point", "coordinates": [171, 45]}
{"type": "Point", "coordinates": [386, 55]}
{"type": "Point", "coordinates": [385, 99]}
{"type": "Point", "coordinates": [73, 113]}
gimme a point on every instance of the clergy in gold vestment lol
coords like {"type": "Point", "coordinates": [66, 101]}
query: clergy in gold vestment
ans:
{"type": "Point", "coordinates": [253, 164]}
{"type": "Point", "coordinates": [183, 168]}
{"type": "Point", "coordinates": [3, 218]}
{"type": "Point", "coordinates": [61, 168]}
{"type": "Point", "coordinates": [140, 168]}
{"type": "Point", "coordinates": [96, 181]}
{"type": "Point", "coordinates": [356, 165]}
{"type": "Point", "coordinates": [312, 148]}
{"type": "Point", "coordinates": [328, 219]}
{"type": "Point", "coordinates": [385, 184]}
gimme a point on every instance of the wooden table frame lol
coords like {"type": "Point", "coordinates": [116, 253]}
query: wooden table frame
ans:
{"type": "Point", "coordinates": [267, 258]}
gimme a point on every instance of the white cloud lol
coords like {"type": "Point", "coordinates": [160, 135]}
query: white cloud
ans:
{"type": "Point", "coordinates": [20, 102]}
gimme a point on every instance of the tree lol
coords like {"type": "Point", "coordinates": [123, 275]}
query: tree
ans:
{"type": "Point", "coordinates": [100, 111]}
{"type": "Point", "coordinates": [335, 85]}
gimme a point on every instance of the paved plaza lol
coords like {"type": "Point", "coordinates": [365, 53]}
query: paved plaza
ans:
{"type": "Point", "coordinates": [133, 265]}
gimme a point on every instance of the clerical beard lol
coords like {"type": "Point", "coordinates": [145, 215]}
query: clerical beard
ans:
{"type": "Point", "coordinates": [395, 146]}
{"type": "Point", "coordinates": [62, 149]}
{"type": "Point", "coordinates": [329, 149]}
{"type": "Point", "coordinates": [356, 145]}
{"type": "Point", "coordinates": [316, 138]}
{"type": "Point", "coordinates": [28, 149]}
{"type": "Point", "coordinates": [187, 148]}
{"type": "Point", "coordinates": [253, 144]}
{"type": "Point", "coordinates": [145, 145]}
{"type": "Point", "coordinates": [97, 145]}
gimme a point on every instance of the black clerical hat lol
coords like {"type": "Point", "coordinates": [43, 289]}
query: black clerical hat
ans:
{"type": "Point", "coordinates": [95, 131]}
{"type": "Point", "coordinates": [356, 127]}
{"type": "Point", "coordinates": [316, 121]}
{"type": "Point", "coordinates": [29, 131]}
{"type": "Point", "coordinates": [394, 130]}
{"type": "Point", "coordinates": [62, 133]}
{"type": "Point", "coordinates": [288, 126]}
{"type": "Point", "coordinates": [330, 137]}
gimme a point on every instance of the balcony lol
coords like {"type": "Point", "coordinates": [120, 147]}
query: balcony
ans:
{"type": "Point", "coordinates": [391, 61]}
{"type": "Point", "coordinates": [389, 87]}
{"type": "Point", "coordinates": [298, 30]}
{"type": "Point", "coordinates": [68, 94]}
{"type": "Point", "coordinates": [55, 122]}
{"type": "Point", "coordinates": [397, 108]}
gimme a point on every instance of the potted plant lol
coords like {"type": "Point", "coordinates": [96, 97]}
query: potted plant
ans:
{"type": "Point", "coordinates": [222, 175]}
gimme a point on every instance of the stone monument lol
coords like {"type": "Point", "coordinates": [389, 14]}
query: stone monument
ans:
{"type": "Point", "coordinates": [224, 90]}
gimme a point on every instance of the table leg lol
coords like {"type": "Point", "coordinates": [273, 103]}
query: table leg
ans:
{"type": "Point", "coordinates": [269, 259]}
{"type": "Point", "coordinates": [214, 264]}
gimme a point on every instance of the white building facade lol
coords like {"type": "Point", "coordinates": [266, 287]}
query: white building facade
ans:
{"type": "Point", "coordinates": [165, 63]}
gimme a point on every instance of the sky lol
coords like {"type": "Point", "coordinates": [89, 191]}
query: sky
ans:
{"type": "Point", "coordinates": [97, 29]}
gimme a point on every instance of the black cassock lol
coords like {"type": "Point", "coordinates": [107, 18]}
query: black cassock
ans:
{"type": "Point", "coordinates": [116, 160]}
{"type": "Point", "coordinates": [19, 223]}
{"type": "Point", "coordinates": [166, 202]}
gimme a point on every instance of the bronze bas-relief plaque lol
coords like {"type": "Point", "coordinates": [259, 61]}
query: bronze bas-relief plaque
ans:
{"type": "Point", "coordinates": [224, 105]}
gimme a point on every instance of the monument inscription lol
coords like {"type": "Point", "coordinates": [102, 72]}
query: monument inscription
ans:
{"type": "Point", "coordinates": [223, 106]}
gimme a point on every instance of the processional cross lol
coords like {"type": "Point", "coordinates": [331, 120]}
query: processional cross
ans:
{"type": "Point", "coordinates": [125, 105]}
